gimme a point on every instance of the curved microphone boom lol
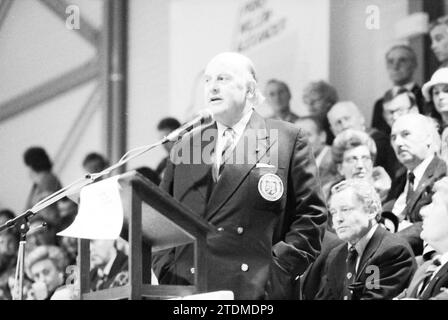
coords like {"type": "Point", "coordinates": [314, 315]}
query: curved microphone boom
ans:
{"type": "Point", "coordinates": [204, 118]}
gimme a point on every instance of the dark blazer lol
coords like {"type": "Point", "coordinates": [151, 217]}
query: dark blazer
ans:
{"type": "Point", "coordinates": [118, 275]}
{"type": "Point", "coordinates": [261, 245]}
{"type": "Point", "coordinates": [422, 196]}
{"type": "Point", "coordinates": [378, 121]}
{"type": "Point", "coordinates": [391, 254]}
{"type": "Point", "coordinates": [434, 289]}
{"type": "Point", "coordinates": [312, 278]}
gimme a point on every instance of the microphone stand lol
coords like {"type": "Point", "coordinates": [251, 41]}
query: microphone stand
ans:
{"type": "Point", "coordinates": [23, 219]}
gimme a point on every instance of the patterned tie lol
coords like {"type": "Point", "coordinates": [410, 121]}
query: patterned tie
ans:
{"type": "Point", "coordinates": [410, 193]}
{"type": "Point", "coordinates": [228, 139]}
{"type": "Point", "coordinates": [428, 274]}
{"type": "Point", "coordinates": [352, 255]}
{"type": "Point", "coordinates": [102, 278]}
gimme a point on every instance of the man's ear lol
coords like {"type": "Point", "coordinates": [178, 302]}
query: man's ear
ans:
{"type": "Point", "coordinates": [251, 87]}
{"type": "Point", "coordinates": [339, 168]}
{"type": "Point", "coordinates": [323, 136]}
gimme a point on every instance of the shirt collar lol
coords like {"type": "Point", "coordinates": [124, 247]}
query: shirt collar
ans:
{"type": "Point", "coordinates": [106, 270]}
{"type": "Point", "coordinates": [443, 258]}
{"type": "Point", "coordinates": [361, 245]}
{"type": "Point", "coordinates": [407, 86]}
{"type": "Point", "coordinates": [419, 171]}
{"type": "Point", "coordinates": [238, 127]}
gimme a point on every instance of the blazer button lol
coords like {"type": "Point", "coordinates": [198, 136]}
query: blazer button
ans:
{"type": "Point", "coordinates": [240, 230]}
{"type": "Point", "coordinates": [192, 270]}
{"type": "Point", "coordinates": [244, 267]}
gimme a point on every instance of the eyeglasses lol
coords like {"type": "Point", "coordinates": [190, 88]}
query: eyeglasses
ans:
{"type": "Point", "coordinates": [354, 159]}
{"type": "Point", "coordinates": [399, 112]}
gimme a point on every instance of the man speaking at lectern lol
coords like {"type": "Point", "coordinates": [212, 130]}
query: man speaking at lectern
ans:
{"type": "Point", "coordinates": [253, 179]}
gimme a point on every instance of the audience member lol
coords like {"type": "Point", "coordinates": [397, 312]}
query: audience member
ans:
{"type": "Point", "coordinates": [436, 91]}
{"type": "Point", "coordinates": [346, 115]}
{"type": "Point", "coordinates": [394, 106]}
{"type": "Point", "coordinates": [372, 263]}
{"type": "Point", "coordinates": [413, 139]}
{"type": "Point", "coordinates": [94, 163]}
{"type": "Point", "coordinates": [165, 127]}
{"type": "Point", "coordinates": [317, 138]}
{"type": "Point", "coordinates": [353, 153]}
{"type": "Point", "coordinates": [431, 278]}
{"type": "Point", "coordinates": [319, 97]}
{"type": "Point", "coordinates": [438, 31]}
{"type": "Point", "coordinates": [44, 182]}
{"type": "Point", "coordinates": [46, 266]}
{"type": "Point", "coordinates": [401, 63]}
{"type": "Point", "coordinates": [109, 266]}
{"type": "Point", "coordinates": [278, 97]}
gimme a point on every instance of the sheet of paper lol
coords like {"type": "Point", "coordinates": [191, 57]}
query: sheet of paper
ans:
{"type": "Point", "coordinates": [100, 214]}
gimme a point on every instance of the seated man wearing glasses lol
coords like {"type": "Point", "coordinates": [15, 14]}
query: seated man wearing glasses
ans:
{"type": "Point", "coordinates": [372, 263]}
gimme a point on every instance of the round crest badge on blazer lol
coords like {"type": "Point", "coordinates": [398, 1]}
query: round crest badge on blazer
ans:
{"type": "Point", "coordinates": [270, 187]}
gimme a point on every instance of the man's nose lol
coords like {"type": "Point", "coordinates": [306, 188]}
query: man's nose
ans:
{"type": "Point", "coordinates": [433, 45]}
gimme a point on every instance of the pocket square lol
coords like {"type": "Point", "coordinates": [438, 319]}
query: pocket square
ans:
{"type": "Point", "coordinates": [264, 165]}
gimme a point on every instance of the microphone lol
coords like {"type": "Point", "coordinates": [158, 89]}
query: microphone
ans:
{"type": "Point", "coordinates": [204, 118]}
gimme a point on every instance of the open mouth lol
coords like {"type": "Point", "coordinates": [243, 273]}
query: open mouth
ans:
{"type": "Point", "coordinates": [215, 100]}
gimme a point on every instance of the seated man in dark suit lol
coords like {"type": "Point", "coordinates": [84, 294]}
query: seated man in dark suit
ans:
{"type": "Point", "coordinates": [415, 141]}
{"type": "Point", "coordinates": [109, 266]}
{"type": "Point", "coordinates": [431, 278]}
{"type": "Point", "coordinates": [401, 63]}
{"type": "Point", "coordinates": [372, 263]}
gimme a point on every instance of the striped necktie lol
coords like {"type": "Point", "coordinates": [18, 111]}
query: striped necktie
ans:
{"type": "Point", "coordinates": [428, 275]}
{"type": "Point", "coordinates": [227, 143]}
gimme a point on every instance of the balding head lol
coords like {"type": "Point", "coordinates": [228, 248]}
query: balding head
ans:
{"type": "Point", "coordinates": [230, 87]}
{"type": "Point", "coordinates": [414, 138]}
{"type": "Point", "coordinates": [345, 115]}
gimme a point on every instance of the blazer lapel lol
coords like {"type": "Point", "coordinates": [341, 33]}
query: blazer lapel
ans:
{"type": "Point", "coordinates": [427, 293]}
{"type": "Point", "coordinates": [202, 157]}
{"type": "Point", "coordinates": [370, 249]}
{"type": "Point", "coordinates": [424, 182]}
{"type": "Point", "coordinates": [252, 146]}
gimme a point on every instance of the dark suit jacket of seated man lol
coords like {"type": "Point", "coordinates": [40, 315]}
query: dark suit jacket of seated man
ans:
{"type": "Point", "coordinates": [263, 242]}
{"type": "Point", "coordinates": [384, 262]}
{"type": "Point", "coordinates": [430, 281]}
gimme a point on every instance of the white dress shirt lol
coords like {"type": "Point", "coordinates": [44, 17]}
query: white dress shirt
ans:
{"type": "Point", "coordinates": [238, 128]}
{"type": "Point", "coordinates": [361, 245]}
{"type": "Point", "coordinates": [400, 204]}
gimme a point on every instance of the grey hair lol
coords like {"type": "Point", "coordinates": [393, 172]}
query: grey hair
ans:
{"type": "Point", "coordinates": [350, 139]}
{"type": "Point", "coordinates": [364, 192]}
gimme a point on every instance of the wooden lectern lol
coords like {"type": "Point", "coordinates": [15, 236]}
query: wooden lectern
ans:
{"type": "Point", "coordinates": [153, 221]}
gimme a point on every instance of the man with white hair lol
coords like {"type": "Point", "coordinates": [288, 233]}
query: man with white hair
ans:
{"type": "Point", "coordinates": [414, 138]}
{"type": "Point", "coordinates": [372, 263]}
{"type": "Point", "coordinates": [346, 115]}
{"type": "Point", "coordinates": [266, 206]}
